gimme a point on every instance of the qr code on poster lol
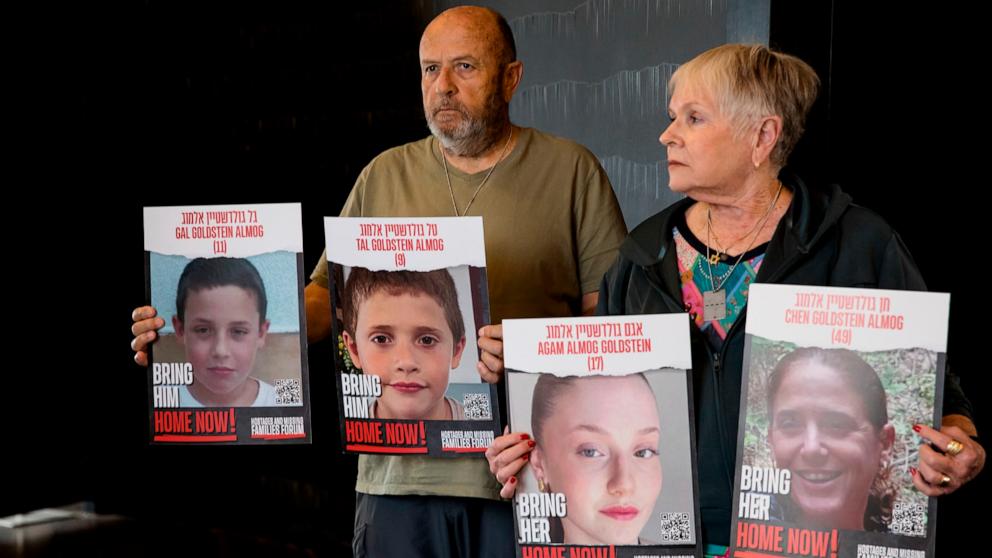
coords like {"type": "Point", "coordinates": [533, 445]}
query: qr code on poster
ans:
{"type": "Point", "coordinates": [675, 528]}
{"type": "Point", "coordinates": [288, 392]}
{"type": "Point", "coordinates": [477, 406]}
{"type": "Point", "coordinates": [909, 518]}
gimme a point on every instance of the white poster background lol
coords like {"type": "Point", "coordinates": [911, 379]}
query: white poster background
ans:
{"type": "Point", "coordinates": [924, 316]}
{"type": "Point", "coordinates": [281, 226]}
{"type": "Point", "coordinates": [668, 333]}
{"type": "Point", "coordinates": [464, 243]}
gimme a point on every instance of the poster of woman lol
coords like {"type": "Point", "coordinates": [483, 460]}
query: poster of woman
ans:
{"type": "Point", "coordinates": [606, 402]}
{"type": "Point", "coordinates": [835, 381]}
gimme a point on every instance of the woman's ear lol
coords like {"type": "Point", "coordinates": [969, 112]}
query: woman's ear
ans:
{"type": "Point", "coordinates": [768, 133]}
{"type": "Point", "coordinates": [887, 437]}
{"type": "Point", "coordinates": [537, 462]}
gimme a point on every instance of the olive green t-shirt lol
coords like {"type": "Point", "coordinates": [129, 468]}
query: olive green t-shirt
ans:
{"type": "Point", "coordinates": [552, 229]}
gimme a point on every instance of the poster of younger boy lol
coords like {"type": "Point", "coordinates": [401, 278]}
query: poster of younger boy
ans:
{"type": "Point", "coordinates": [408, 296]}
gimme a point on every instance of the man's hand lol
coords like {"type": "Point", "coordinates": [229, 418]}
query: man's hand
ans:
{"type": "Point", "coordinates": [145, 330]}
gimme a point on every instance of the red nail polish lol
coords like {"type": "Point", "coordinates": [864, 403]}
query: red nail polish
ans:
{"type": "Point", "coordinates": [512, 480]}
{"type": "Point", "coordinates": [916, 427]}
{"type": "Point", "coordinates": [526, 456]}
{"type": "Point", "coordinates": [531, 443]}
{"type": "Point", "coordinates": [912, 470]}
{"type": "Point", "coordinates": [525, 436]}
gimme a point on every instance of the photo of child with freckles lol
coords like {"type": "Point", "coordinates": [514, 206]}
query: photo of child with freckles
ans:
{"type": "Point", "coordinates": [408, 297]}
{"type": "Point", "coordinates": [416, 334]}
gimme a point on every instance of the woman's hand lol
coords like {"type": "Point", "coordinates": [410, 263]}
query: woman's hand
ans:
{"type": "Point", "coordinates": [957, 460]}
{"type": "Point", "coordinates": [507, 456]}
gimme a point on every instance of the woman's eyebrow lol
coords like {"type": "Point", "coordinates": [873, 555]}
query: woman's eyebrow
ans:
{"type": "Point", "coordinates": [598, 430]}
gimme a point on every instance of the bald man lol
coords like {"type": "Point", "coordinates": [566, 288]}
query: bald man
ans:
{"type": "Point", "coordinates": [552, 229]}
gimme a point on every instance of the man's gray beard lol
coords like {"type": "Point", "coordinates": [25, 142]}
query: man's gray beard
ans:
{"type": "Point", "coordinates": [473, 136]}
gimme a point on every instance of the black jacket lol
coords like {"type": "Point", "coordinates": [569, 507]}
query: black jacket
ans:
{"type": "Point", "coordinates": [823, 239]}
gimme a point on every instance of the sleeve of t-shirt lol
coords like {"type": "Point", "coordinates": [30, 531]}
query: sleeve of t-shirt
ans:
{"type": "Point", "coordinates": [352, 208]}
{"type": "Point", "coordinates": [599, 227]}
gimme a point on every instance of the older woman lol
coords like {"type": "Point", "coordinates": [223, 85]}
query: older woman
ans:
{"type": "Point", "coordinates": [737, 112]}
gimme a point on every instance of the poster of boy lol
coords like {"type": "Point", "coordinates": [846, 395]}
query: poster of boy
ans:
{"type": "Point", "coordinates": [231, 363]}
{"type": "Point", "coordinates": [408, 296]}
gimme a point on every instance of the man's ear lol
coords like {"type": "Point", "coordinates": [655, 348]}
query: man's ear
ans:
{"type": "Point", "coordinates": [512, 74]}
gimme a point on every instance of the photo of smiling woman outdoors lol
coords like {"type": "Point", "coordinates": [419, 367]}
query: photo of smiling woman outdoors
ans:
{"type": "Point", "coordinates": [841, 422]}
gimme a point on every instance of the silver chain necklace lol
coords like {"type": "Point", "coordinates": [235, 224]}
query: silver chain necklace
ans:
{"type": "Point", "coordinates": [447, 178]}
{"type": "Point", "coordinates": [715, 299]}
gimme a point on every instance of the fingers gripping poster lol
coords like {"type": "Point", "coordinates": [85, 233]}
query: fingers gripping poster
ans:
{"type": "Point", "coordinates": [230, 365]}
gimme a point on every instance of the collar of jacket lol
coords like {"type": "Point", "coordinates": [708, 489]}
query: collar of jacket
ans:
{"type": "Point", "coordinates": [809, 216]}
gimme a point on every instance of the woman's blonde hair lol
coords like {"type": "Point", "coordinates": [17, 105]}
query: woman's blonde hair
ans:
{"type": "Point", "coordinates": [749, 82]}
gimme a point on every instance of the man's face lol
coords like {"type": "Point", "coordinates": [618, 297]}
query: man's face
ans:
{"type": "Point", "coordinates": [464, 91]}
{"type": "Point", "coordinates": [406, 341]}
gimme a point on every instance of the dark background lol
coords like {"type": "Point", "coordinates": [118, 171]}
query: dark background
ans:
{"type": "Point", "coordinates": [156, 103]}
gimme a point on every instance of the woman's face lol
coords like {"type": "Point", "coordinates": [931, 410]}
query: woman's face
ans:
{"type": "Point", "coordinates": [704, 153]}
{"type": "Point", "coordinates": [600, 448]}
{"type": "Point", "coordinates": [820, 431]}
